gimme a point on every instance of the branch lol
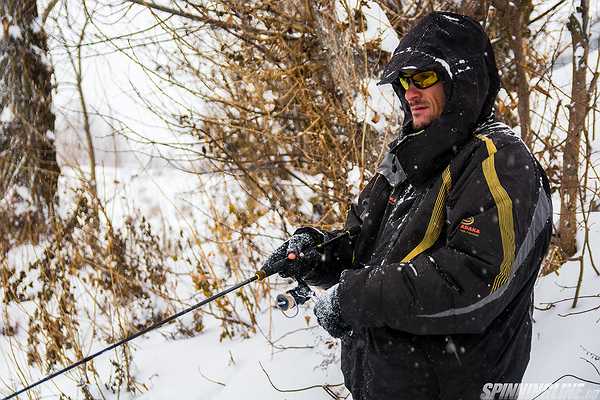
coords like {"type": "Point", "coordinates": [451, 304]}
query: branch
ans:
{"type": "Point", "coordinates": [48, 10]}
{"type": "Point", "coordinates": [570, 298]}
{"type": "Point", "coordinates": [592, 364]}
{"type": "Point", "coordinates": [542, 15]}
{"type": "Point", "coordinates": [324, 387]}
{"type": "Point", "coordinates": [579, 312]}
{"type": "Point", "coordinates": [564, 376]}
{"type": "Point", "coordinates": [193, 17]}
{"type": "Point", "coordinates": [212, 21]}
{"type": "Point", "coordinates": [209, 379]}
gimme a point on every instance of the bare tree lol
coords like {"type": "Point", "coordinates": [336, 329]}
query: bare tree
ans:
{"type": "Point", "coordinates": [28, 167]}
{"type": "Point", "coordinates": [514, 17]}
{"type": "Point", "coordinates": [578, 109]}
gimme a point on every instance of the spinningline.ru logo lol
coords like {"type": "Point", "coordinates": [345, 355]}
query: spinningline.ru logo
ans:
{"type": "Point", "coordinates": [527, 390]}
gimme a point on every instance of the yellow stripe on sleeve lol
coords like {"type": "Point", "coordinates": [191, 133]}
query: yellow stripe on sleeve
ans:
{"type": "Point", "coordinates": [505, 214]}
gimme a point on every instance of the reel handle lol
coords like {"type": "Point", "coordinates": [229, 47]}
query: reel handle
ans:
{"type": "Point", "coordinates": [285, 301]}
{"type": "Point", "coordinates": [294, 297]}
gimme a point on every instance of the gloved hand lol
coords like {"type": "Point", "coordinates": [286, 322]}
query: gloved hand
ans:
{"type": "Point", "coordinates": [298, 253]}
{"type": "Point", "coordinates": [329, 314]}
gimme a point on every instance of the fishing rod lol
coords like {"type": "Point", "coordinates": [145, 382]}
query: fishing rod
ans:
{"type": "Point", "coordinates": [265, 272]}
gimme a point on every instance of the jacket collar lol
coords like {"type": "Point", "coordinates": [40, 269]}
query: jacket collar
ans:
{"type": "Point", "coordinates": [419, 156]}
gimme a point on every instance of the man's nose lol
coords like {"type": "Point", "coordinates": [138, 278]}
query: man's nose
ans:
{"type": "Point", "coordinates": [412, 93]}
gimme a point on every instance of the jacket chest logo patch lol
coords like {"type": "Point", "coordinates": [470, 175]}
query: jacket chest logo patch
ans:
{"type": "Point", "coordinates": [466, 226]}
{"type": "Point", "coordinates": [392, 200]}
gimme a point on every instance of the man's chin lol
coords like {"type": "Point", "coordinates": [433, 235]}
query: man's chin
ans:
{"type": "Point", "coordinates": [421, 119]}
{"type": "Point", "coordinates": [420, 124]}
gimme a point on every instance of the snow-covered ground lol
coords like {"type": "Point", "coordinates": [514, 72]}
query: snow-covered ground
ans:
{"type": "Point", "coordinates": [293, 352]}
{"type": "Point", "coordinates": [563, 339]}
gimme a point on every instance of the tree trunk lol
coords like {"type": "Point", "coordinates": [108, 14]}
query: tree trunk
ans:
{"type": "Point", "coordinates": [28, 167]}
{"type": "Point", "coordinates": [577, 114]}
{"type": "Point", "coordinates": [515, 15]}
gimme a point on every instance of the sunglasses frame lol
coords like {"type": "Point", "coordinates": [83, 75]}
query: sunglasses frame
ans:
{"type": "Point", "coordinates": [406, 80]}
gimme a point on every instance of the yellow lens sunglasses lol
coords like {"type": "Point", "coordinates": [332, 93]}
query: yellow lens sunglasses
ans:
{"type": "Point", "coordinates": [421, 80]}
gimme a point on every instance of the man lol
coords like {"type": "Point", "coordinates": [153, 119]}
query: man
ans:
{"type": "Point", "coordinates": [433, 298]}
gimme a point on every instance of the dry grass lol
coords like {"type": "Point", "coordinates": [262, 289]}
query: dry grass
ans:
{"type": "Point", "coordinates": [274, 86]}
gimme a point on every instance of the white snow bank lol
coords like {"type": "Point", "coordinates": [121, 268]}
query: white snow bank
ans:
{"type": "Point", "coordinates": [378, 106]}
{"type": "Point", "coordinates": [378, 26]}
{"type": "Point", "coordinates": [7, 115]}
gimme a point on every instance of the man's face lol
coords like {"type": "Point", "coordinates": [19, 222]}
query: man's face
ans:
{"type": "Point", "coordinates": [426, 105]}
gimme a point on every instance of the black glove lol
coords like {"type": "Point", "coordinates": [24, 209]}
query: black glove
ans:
{"type": "Point", "coordinates": [329, 313]}
{"type": "Point", "coordinates": [299, 254]}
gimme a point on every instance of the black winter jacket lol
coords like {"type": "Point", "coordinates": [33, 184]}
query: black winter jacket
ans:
{"type": "Point", "coordinates": [438, 285]}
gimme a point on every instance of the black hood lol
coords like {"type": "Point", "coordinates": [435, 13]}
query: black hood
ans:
{"type": "Point", "coordinates": [458, 49]}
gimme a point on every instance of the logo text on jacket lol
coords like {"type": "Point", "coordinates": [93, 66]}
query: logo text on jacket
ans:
{"type": "Point", "coordinates": [466, 226]}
